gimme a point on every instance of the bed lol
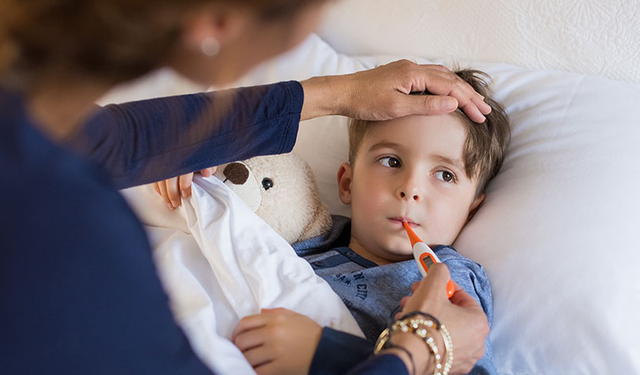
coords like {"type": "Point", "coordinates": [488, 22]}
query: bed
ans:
{"type": "Point", "coordinates": [559, 233]}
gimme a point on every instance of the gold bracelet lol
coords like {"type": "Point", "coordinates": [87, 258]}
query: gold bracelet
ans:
{"type": "Point", "coordinates": [382, 340]}
{"type": "Point", "coordinates": [420, 328]}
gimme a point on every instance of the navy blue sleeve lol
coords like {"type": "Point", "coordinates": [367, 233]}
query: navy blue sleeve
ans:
{"type": "Point", "coordinates": [381, 365]}
{"type": "Point", "coordinates": [340, 353]}
{"type": "Point", "coordinates": [79, 293]}
{"type": "Point", "coordinates": [151, 140]}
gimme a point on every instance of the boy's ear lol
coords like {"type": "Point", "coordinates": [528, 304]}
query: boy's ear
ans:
{"type": "Point", "coordinates": [475, 206]}
{"type": "Point", "coordinates": [344, 183]}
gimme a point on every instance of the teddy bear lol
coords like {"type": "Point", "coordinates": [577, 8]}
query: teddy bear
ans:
{"type": "Point", "coordinates": [282, 190]}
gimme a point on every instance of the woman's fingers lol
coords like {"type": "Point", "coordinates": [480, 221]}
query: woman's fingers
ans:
{"type": "Point", "coordinates": [445, 85]}
{"type": "Point", "coordinates": [415, 286]}
{"type": "Point", "coordinates": [208, 172]}
{"type": "Point", "coordinates": [430, 293]}
{"type": "Point", "coordinates": [462, 315]}
{"type": "Point", "coordinates": [463, 299]}
{"type": "Point", "coordinates": [174, 189]}
{"type": "Point", "coordinates": [162, 186]}
{"type": "Point", "coordinates": [184, 183]}
{"type": "Point", "coordinates": [173, 192]}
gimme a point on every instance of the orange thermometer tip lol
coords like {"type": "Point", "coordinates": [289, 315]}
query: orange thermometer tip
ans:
{"type": "Point", "coordinates": [412, 236]}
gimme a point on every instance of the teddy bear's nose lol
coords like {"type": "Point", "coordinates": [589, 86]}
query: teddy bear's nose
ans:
{"type": "Point", "coordinates": [237, 173]}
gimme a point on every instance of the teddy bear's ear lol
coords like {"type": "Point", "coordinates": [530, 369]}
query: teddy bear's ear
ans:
{"type": "Point", "coordinates": [320, 223]}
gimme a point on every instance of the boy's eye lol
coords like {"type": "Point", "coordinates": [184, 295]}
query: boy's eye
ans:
{"type": "Point", "coordinates": [390, 162]}
{"type": "Point", "coordinates": [445, 176]}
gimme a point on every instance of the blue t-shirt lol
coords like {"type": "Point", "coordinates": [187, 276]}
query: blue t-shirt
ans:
{"type": "Point", "coordinates": [373, 292]}
{"type": "Point", "coordinates": [78, 288]}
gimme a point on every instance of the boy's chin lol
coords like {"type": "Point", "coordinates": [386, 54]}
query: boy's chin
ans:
{"type": "Point", "coordinates": [398, 255]}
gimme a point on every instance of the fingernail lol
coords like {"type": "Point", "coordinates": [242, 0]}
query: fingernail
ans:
{"type": "Point", "coordinates": [170, 207]}
{"type": "Point", "coordinates": [175, 204]}
{"type": "Point", "coordinates": [449, 104]}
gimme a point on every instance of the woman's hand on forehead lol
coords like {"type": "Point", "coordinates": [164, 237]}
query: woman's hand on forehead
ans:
{"type": "Point", "coordinates": [383, 93]}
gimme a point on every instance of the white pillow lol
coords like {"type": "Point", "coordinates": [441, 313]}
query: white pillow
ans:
{"type": "Point", "coordinates": [559, 232]}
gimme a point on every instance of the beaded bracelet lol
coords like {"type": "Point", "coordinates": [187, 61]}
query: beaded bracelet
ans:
{"type": "Point", "coordinates": [420, 328]}
{"type": "Point", "coordinates": [448, 347]}
{"type": "Point", "coordinates": [424, 314]}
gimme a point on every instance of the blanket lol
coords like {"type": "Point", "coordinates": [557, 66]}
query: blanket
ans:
{"type": "Point", "coordinates": [218, 262]}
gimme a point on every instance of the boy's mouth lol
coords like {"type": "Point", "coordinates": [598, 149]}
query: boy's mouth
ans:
{"type": "Point", "coordinates": [401, 219]}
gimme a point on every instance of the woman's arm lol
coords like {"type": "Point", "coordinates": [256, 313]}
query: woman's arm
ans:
{"type": "Point", "coordinates": [156, 139]}
{"type": "Point", "coordinates": [145, 141]}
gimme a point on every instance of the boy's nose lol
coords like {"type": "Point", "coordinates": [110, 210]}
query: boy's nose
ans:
{"type": "Point", "coordinates": [409, 194]}
{"type": "Point", "coordinates": [411, 186]}
{"type": "Point", "coordinates": [414, 196]}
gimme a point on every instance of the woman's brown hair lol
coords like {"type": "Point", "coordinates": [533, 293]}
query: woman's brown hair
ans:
{"type": "Point", "coordinates": [115, 40]}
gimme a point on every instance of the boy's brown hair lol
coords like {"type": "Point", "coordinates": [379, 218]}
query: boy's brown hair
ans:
{"type": "Point", "coordinates": [486, 143]}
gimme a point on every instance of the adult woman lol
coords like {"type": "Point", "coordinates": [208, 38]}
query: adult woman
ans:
{"type": "Point", "coordinates": [75, 265]}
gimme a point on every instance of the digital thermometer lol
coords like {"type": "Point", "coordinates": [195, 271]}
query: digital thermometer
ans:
{"type": "Point", "coordinates": [425, 257]}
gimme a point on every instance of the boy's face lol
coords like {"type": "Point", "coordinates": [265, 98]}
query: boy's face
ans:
{"type": "Point", "coordinates": [408, 169]}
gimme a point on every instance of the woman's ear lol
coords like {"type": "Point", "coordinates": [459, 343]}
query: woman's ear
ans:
{"type": "Point", "coordinates": [475, 206]}
{"type": "Point", "coordinates": [344, 183]}
{"type": "Point", "coordinates": [217, 21]}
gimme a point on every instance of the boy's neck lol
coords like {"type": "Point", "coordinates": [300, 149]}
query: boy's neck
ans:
{"type": "Point", "coordinates": [359, 249]}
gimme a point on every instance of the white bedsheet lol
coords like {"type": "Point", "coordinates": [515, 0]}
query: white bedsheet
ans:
{"type": "Point", "coordinates": [219, 262]}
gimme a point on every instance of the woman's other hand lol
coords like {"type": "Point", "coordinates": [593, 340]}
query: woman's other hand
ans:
{"type": "Point", "coordinates": [461, 314]}
{"type": "Point", "coordinates": [382, 93]}
{"type": "Point", "coordinates": [174, 189]}
{"type": "Point", "coordinates": [278, 341]}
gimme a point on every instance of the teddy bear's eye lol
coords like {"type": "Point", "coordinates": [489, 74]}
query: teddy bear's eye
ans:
{"type": "Point", "coordinates": [267, 183]}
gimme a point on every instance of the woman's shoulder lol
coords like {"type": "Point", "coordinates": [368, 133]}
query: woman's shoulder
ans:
{"type": "Point", "coordinates": [53, 198]}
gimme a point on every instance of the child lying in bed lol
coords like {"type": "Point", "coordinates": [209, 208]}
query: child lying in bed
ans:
{"type": "Point", "coordinates": [428, 171]}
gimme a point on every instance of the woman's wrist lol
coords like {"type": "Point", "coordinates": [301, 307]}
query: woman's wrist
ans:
{"type": "Point", "coordinates": [420, 361]}
{"type": "Point", "coordinates": [323, 96]}
{"type": "Point", "coordinates": [419, 332]}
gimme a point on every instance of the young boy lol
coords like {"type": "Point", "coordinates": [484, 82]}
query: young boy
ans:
{"type": "Point", "coordinates": [429, 171]}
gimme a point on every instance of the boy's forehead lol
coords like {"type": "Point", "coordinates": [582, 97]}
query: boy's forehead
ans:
{"type": "Point", "coordinates": [436, 137]}
{"type": "Point", "coordinates": [449, 127]}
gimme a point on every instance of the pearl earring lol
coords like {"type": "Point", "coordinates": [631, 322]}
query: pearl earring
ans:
{"type": "Point", "coordinates": [210, 46]}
